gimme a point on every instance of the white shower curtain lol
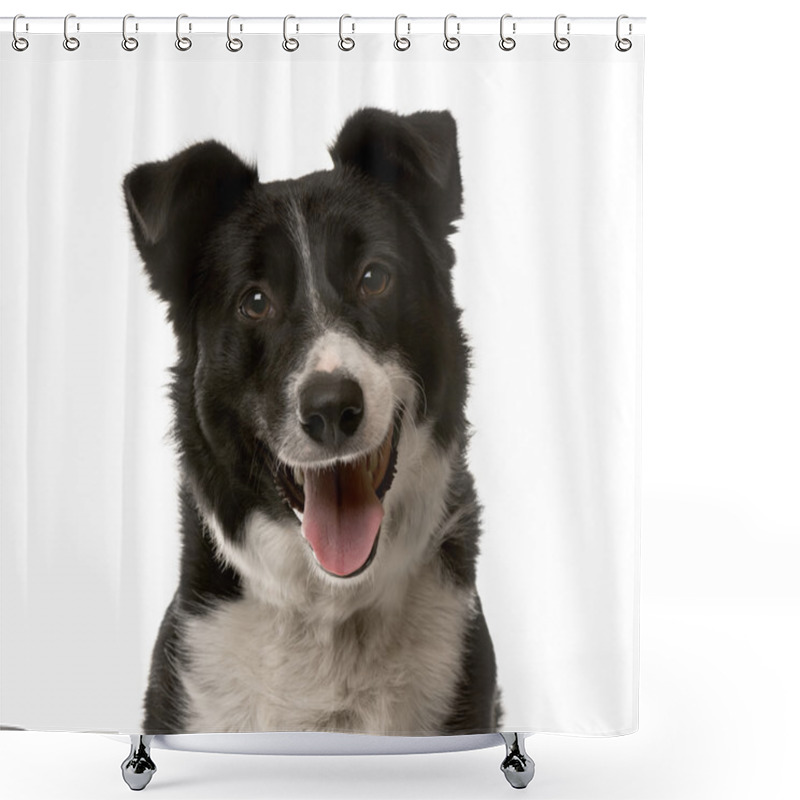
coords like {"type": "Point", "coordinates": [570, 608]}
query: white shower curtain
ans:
{"type": "Point", "coordinates": [547, 272]}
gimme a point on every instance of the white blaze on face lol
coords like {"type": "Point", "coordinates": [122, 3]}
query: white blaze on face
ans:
{"type": "Point", "coordinates": [298, 233]}
{"type": "Point", "coordinates": [329, 360]}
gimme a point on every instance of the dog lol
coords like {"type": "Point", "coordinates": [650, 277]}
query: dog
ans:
{"type": "Point", "coordinates": [329, 520]}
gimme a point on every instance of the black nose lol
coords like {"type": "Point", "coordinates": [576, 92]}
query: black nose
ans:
{"type": "Point", "coordinates": [331, 407]}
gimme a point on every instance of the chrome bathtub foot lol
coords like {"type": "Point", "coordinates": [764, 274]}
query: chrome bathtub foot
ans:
{"type": "Point", "coordinates": [138, 768]}
{"type": "Point", "coordinates": [517, 766]}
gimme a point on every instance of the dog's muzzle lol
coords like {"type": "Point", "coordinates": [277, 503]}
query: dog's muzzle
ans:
{"type": "Point", "coordinates": [339, 500]}
{"type": "Point", "coordinates": [331, 407]}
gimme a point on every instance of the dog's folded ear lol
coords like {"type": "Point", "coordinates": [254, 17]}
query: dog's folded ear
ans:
{"type": "Point", "coordinates": [416, 155]}
{"type": "Point", "coordinates": [173, 205]}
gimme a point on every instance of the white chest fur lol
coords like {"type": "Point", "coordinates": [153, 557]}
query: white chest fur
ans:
{"type": "Point", "coordinates": [258, 668]}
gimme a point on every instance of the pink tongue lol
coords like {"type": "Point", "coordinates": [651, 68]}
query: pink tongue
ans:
{"type": "Point", "coordinates": [341, 516]}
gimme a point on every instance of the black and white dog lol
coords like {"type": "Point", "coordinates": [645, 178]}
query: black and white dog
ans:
{"type": "Point", "coordinates": [329, 521]}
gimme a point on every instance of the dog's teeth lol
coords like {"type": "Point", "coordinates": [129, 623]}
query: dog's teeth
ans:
{"type": "Point", "coordinates": [298, 476]}
{"type": "Point", "coordinates": [298, 514]}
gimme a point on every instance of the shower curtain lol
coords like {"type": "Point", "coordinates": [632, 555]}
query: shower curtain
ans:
{"type": "Point", "coordinates": [320, 376]}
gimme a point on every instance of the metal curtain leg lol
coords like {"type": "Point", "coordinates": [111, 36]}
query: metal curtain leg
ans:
{"type": "Point", "coordinates": [138, 768]}
{"type": "Point", "coordinates": [517, 766]}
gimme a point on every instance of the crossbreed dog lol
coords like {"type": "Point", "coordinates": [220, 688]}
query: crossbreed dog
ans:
{"type": "Point", "coordinates": [329, 520]}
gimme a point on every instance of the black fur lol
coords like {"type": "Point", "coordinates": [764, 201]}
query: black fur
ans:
{"type": "Point", "coordinates": [207, 230]}
{"type": "Point", "coordinates": [477, 706]}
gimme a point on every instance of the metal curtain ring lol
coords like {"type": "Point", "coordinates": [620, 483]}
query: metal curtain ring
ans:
{"type": "Point", "coordinates": [451, 42]}
{"type": "Point", "coordinates": [289, 44]}
{"type": "Point", "coordinates": [561, 43]}
{"type": "Point", "coordinates": [19, 43]}
{"type": "Point", "coordinates": [181, 42]}
{"type": "Point", "coordinates": [345, 42]}
{"type": "Point", "coordinates": [506, 42]}
{"type": "Point", "coordinates": [623, 45]}
{"type": "Point", "coordinates": [233, 44]}
{"type": "Point", "coordinates": [70, 42]}
{"type": "Point", "coordinates": [129, 43]}
{"type": "Point", "coordinates": [401, 42]}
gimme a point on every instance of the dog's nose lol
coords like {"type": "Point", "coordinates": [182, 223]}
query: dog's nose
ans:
{"type": "Point", "coordinates": [331, 407]}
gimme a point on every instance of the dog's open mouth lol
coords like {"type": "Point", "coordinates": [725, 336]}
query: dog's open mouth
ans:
{"type": "Point", "coordinates": [341, 505]}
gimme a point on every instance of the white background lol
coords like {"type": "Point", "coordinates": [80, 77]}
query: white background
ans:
{"type": "Point", "coordinates": [721, 455]}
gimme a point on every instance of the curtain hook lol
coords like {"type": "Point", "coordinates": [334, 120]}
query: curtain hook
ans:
{"type": "Point", "coordinates": [181, 42]}
{"type": "Point", "coordinates": [70, 42]}
{"type": "Point", "coordinates": [233, 44]}
{"type": "Point", "coordinates": [451, 42]}
{"type": "Point", "coordinates": [623, 45]}
{"type": "Point", "coordinates": [401, 42]}
{"type": "Point", "coordinates": [345, 42]}
{"type": "Point", "coordinates": [290, 45]}
{"type": "Point", "coordinates": [129, 43]}
{"type": "Point", "coordinates": [506, 42]}
{"type": "Point", "coordinates": [19, 43]}
{"type": "Point", "coordinates": [561, 43]}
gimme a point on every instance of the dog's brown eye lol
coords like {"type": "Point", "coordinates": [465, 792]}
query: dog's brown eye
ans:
{"type": "Point", "coordinates": [256, 305]}
{"type": "Point", "coordinates": [374, 280]}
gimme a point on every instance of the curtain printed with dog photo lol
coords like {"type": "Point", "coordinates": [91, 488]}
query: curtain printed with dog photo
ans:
{"type": "Point", "coordinates": [320, 385]}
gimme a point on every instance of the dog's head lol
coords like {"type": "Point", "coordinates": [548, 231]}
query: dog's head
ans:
{"type": "Point", "coordinates": [315, 321]}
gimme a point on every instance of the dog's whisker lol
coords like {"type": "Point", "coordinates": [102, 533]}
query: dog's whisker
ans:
{"type": "Point", "coordinates": [253, 461]}
{"type": "Point", "coordinates": [416, 379]}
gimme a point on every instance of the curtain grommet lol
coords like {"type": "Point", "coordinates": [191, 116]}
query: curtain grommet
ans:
{"type": "Point", "coordinates": [289, 44]}
{"type": "Point", "coordinates": [233, 44]}
{"type": "Point", "coordinates": [129, 43]}
{"type": "Point", "coordinates": [451, 43]}
{"type": "Point", "coordinates": [401, 43]}
{"type": "Point", "coordinates": [183, 43]}
{"type": "Point", "coordinates": [507, 43]}
{"type": "Point", "coordinates": [561, 43]}
{"type": "Point", "coordinates": [19, 43]}
{"type": "Point", "coordinates": [70, 43]}
{"type": "Point", "coordinates": [346, 43]}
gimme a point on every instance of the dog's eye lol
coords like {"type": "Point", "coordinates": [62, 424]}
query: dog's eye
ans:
{"type": "Point", "coordinates": [374, 280]}
{"type": "Point", "coordinates": [256, 305]}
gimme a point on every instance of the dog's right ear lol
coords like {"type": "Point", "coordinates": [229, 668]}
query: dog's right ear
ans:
{"type": "Point", "coordinates": [173, 205]}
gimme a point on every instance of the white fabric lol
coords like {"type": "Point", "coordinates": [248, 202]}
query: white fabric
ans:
{"type": "Point", "coordinates": [548, 274]}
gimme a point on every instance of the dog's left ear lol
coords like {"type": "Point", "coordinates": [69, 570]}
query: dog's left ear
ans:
{"type": "Point", "coordinates": [415, 155]}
